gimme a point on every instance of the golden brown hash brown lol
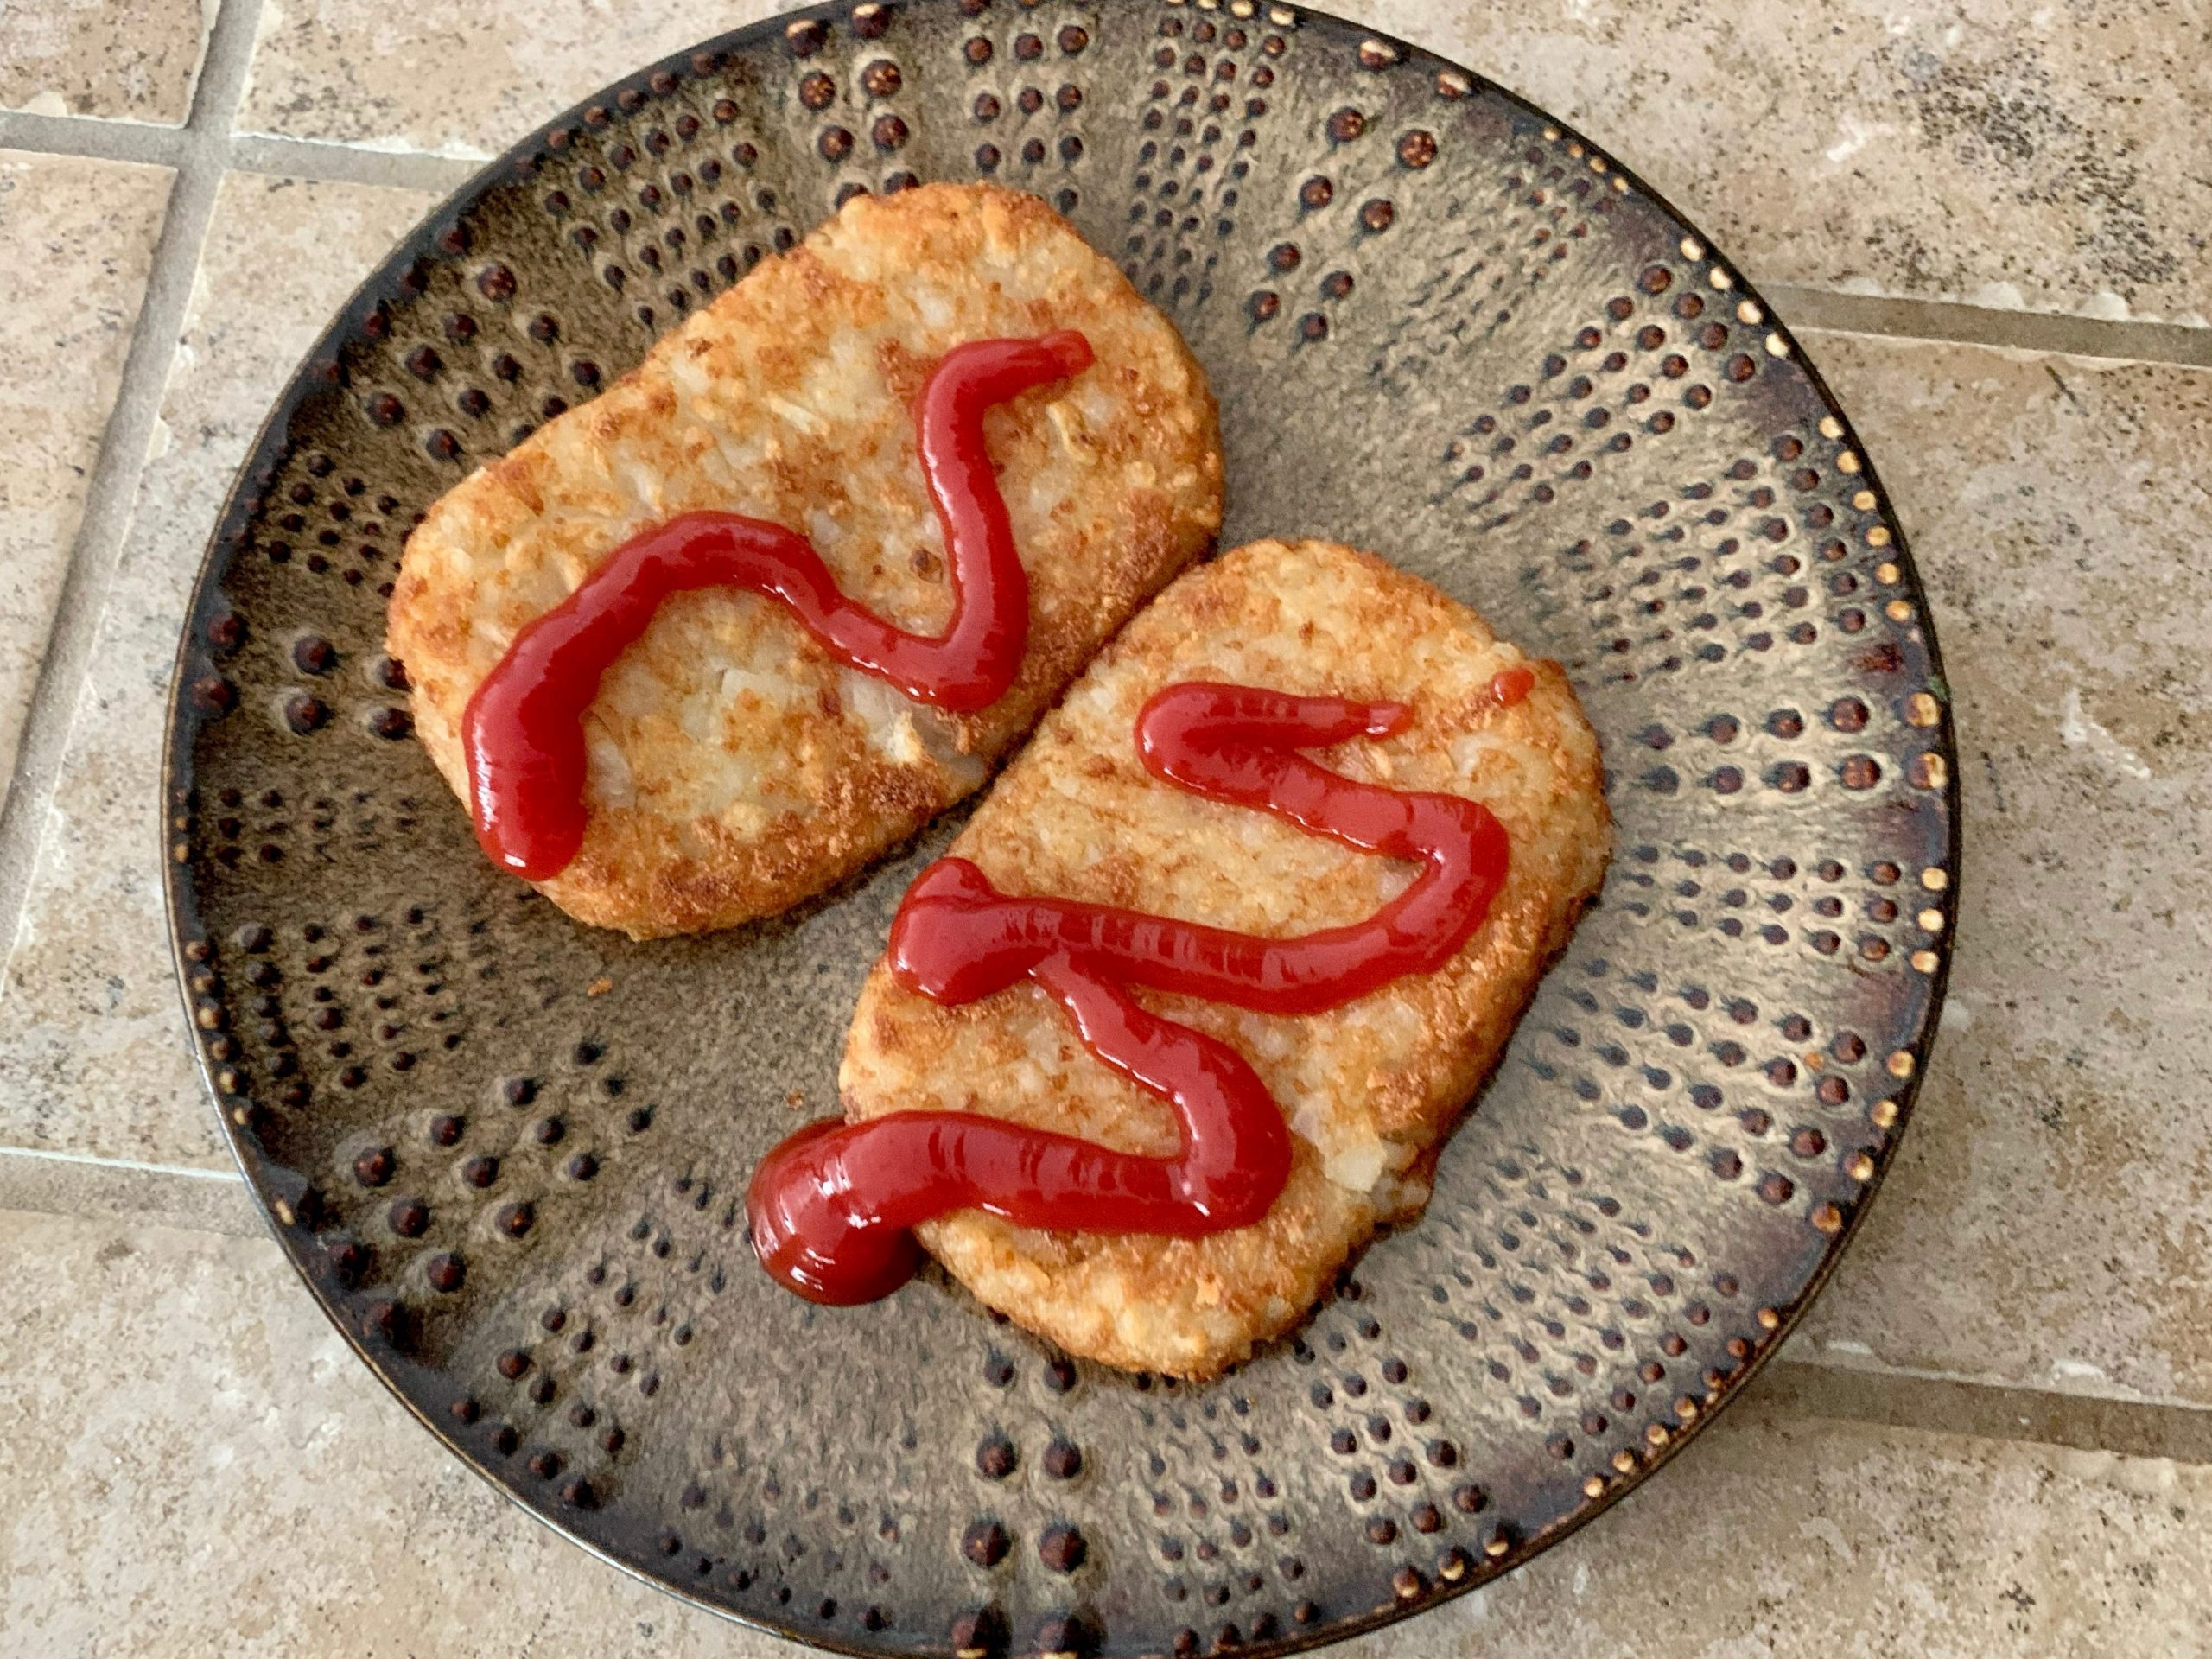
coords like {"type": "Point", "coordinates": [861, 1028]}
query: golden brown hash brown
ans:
{"type": "Point", "coordinates": [735, 768]}
{"type": "Point", "coordinates": [1370, 1088]}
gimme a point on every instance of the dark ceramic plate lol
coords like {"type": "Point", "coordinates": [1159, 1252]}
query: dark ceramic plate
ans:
{"type": "Point", "coordinates": [507, 1153]}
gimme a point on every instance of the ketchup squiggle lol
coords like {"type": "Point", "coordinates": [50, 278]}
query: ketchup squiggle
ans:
{"type": "Point", "coordinates": [833, 1207]}
{"type": "Point", "coordinates": [522, 734]}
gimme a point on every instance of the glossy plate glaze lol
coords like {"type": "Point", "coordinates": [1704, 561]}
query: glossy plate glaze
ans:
{"type": "Point", "coordinates": [509, 1153]}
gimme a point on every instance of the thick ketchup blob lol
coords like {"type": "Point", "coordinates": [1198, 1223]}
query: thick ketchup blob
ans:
{"type": "Point", "coordinates": [832, 1208]}
{"type": "Point", "coordinates": [523, 731]}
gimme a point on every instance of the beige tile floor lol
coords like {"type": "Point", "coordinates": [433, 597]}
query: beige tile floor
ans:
{"type": "Point", "coordinates": [86, 233]}
{"type": "Point", "coordinates": [91, 57]}
{"type": "Point", "coordinates": [1992, 222]}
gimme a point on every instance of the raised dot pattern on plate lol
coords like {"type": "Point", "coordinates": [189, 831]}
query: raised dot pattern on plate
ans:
{"type": "Point", "coordinates": [508, 1153]}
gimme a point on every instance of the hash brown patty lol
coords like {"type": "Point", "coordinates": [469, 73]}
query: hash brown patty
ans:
{"type": "Point", "coordinates": [734, 767]}
{"type": "Point", "coordinates": [1370, 1088]}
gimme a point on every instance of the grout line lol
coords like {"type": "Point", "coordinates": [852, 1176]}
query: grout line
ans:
{"type": "Point", "coordinates": [106, 141]}
{"type": "Point", "coordinates": [132, 1194]}
{"type": "Point", "coordinates": [1824, 309]}
{"type": "Point", "coordinates": [247, 152]}
{"type": "Point", "coordinates": [1792, 1388]}
{"type": "Point", "coordinates": [1789, 1389]}
{"type": "Point", "coordinates": [199, 153]}
{"type": "Point", "coordinates": [1805, 309]}
{"type": "Point", "coordinates": [346, 163]}
{"type": "Point", "coordinates": [92, 1160]}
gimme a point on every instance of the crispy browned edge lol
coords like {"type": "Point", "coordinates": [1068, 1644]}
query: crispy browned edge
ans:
{"type": "Point", "coordinates": [627, 875]}
{"type": "Point", "coordinates": [1471, 1013]}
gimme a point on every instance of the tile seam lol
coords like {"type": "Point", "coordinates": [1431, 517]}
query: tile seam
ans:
{"type": "Point", "coordinates": [1806, 307]}
{"type": "Point", "coordinates": [134, 1165]}
{"type": "Point", "coordinates": [1815, 310]}
{"type": "Point", "coordinates": [349, 163]}
{"type": "Point", "coordinates": [1798, 1389]}
{"type": "Point", "coordinates": [1789, 1389]}
{"type": "Point", "coordinates": [93, 137]}
{"type": "Point", "coordinates": [199, 155]}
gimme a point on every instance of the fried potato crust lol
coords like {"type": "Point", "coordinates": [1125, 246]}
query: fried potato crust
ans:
{"type": "Point", "coordinates": [735, 768]}
{"type": "Point", "coordinates": [1369, 1089]}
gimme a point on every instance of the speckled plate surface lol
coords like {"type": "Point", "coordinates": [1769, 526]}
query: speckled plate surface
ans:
{"type": "Point", "coordinates": [507, 1153]}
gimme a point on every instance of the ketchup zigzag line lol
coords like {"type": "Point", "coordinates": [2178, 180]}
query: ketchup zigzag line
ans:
{"type": "Point", "coordinates": [832, 1208]}
{"type": "Point", "coordinates": [521, 733]}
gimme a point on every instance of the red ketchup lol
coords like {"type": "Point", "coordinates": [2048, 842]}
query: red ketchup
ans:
{"type": "Point", "coordinates": [1511, 686]}
{"type": "Point", "coordinates": [832, 1208]}
{"type": "Point", "coordinates": [523, 731]}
